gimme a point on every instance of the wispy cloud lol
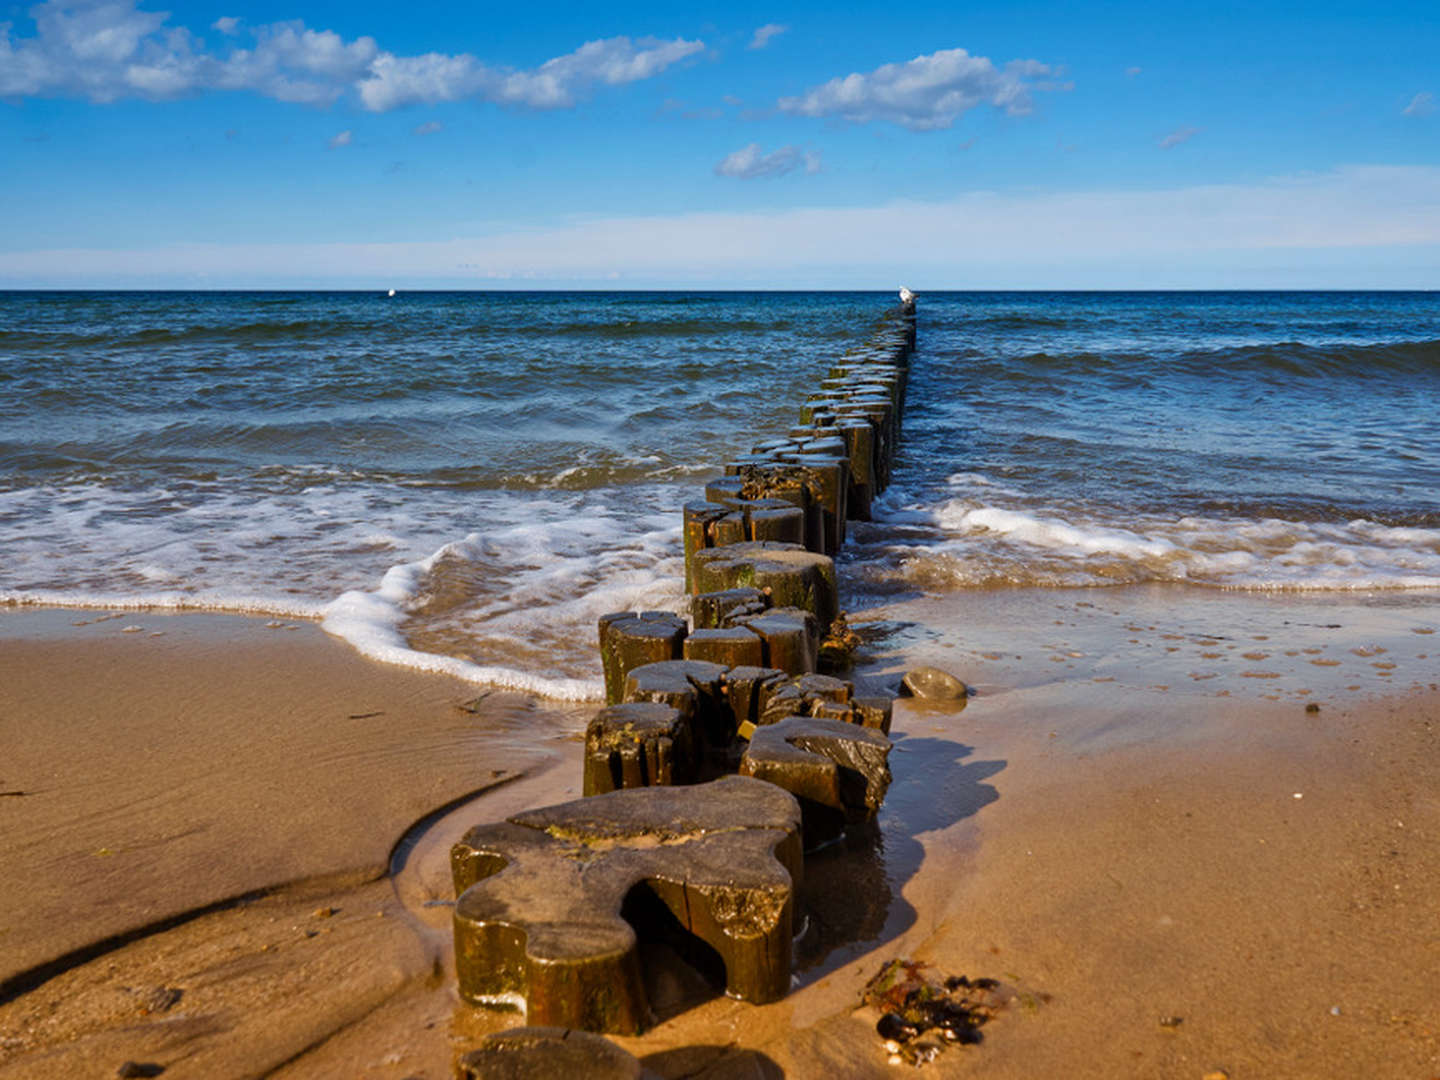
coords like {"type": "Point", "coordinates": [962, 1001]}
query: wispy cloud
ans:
{"type": "Point", "coordinates": [106, 50]}
{"type": "Point", "coordinates": [750, 163]}
{"type": "Point", "coordinates": [1050, 239]}
{"type": "Point", "coordinates": [1133, 71]}
{"type": "Point", "coordinates": [764, 34]}
{"type": "Point", "coordinates": [430, 127]}
{"type": "Point", "coordinates": [345, 138]}
{"type": "Point", "coordinates": [928, 92]}
{"type": "Point", "coordinates": [1178, 136]}
{"type": "Point", "coordinates": [1422, 104]}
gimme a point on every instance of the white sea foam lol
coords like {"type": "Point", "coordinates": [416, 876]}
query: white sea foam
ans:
{"type": "Point", "coordinates": [971, 540]}
{"type": "Point", "coordinates": [546, 585]}
{"type": "Point", "coordinates": [513, 605]}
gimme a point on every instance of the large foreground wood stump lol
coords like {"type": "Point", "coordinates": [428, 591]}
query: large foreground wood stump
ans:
{"type": "Point", "coordinates": [549, 1053]}
{"type": "Point", "coordinates": [539, 911]}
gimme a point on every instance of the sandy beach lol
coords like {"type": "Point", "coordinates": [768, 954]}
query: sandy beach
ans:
{"type": "Point", "coordinates": [225, 851]}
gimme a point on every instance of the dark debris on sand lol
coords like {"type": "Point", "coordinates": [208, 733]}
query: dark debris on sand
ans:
{"type": "Point", "coordinates": [923, 1014]}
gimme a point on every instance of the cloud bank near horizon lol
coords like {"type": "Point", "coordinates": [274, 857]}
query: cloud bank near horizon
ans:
{"type": "Point", "coordinates": [933, 244]}
{"type": "Point", "coordinates": [108, 50]}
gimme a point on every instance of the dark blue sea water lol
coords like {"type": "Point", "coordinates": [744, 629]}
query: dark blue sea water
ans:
{"type": "Point", "coordinates": [466, 480]}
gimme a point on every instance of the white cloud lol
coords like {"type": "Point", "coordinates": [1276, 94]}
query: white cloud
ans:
{"type": "Point", "coordinates": [764, 34]}
{"type": "Point", "coordinates": [1422, 104]}
{"type": "Point", "coordinates": [926, 93]}
{"type": "Point", "coordinates": [345, 138]}
{"type": "Point", "coordinates": [749, 162]}
{"type": "Point", "coordinates": [430, 127]}
{"type": "Point", "coordinates": [110, 49]}
{"type": "Point", "coordinates": [1178, 136]}
{"type": "Point", "coordinates": [1133, 71]}
{"type": "Point", "coordinates": [1314, 230]}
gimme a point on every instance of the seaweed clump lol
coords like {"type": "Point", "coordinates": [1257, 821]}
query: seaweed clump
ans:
{"type": "Point", "coordinates": [922, 1016]}
{"type": "Point", "coordinates": [837, 651]}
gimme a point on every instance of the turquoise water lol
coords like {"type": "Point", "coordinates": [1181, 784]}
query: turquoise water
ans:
{"type": "Point", "coordinates": [480, 475]}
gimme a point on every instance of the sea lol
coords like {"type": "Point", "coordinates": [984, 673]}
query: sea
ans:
{"type": "Point", "coordinates": [465, 481]}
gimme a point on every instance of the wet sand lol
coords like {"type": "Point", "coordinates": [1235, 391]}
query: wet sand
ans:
{"type": "Point", "coordinates": [1119, 843]}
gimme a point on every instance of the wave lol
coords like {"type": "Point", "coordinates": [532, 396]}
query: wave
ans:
{"type": "Point", "coordinates": [638, 328]}
{"type": "Point", "coordinates": [248, 333]}
{"type": "Point", "coordinates": [516, 607]}
{"type": "Point", "coordinates": [1283, 359]}
{"type": "Point", "coordinates": [967, 543]}
{"type": "Point", "coordinates": [1302, 359]}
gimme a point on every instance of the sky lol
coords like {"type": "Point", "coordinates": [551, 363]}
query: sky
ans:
{"type": "Point", "coordinates": [1018, 145]}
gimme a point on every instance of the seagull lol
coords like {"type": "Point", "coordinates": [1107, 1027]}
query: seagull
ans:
{"type": "Point", "coordinates": [392, 292]}
{"type": "Point", "coordinates": [906, 296]}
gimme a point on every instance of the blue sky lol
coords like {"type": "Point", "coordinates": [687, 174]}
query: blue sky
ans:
{"type": "Point", "coordinates": [297, 143]}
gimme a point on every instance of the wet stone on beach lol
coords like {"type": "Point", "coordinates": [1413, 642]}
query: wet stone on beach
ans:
{"type": "Point", "coordinates": [539, 914]}
{"type": "Point", "coordinates": [932, 684]}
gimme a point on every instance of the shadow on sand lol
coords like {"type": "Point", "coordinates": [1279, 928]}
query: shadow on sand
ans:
{"type": "Point", "coordinates": [852, 895]}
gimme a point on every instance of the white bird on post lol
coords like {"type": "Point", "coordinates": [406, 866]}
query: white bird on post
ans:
{"type": "Point", "coordinates": [907, 297]}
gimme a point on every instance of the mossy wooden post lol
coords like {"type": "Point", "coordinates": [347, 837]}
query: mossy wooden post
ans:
{"type": "Point", "coordinates": [696, 688]}
{"type": "Point", "coordinates": [638, 744]}
{"type": "Point", "coordinates": [709, 611]}
{"type": "Point", "coordinates": [631, 639]}
{"type": "Point", "coordinates": [859, 436]}
{"type": "Point", "coordinates": [791, 637]}
{"type": "Point", "coordinates": [839, 772]}
{"type": "Point", "coordinates": [749, 689]}
{"type": "Point", "coordinates": [778, 521]}
{"type": "Point", "coordinates": [827, 476]}
{"type": "Point", "coordinates": [731, 528]}
{"type": "Point", "coordinates": [698, 518]}
{"type": "Point", "coordinates": [787, 573]}
{"type": "Point", "coordinates": [733, 646]}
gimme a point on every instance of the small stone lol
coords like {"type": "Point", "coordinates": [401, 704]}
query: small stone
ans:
{"type": "Point", "coordinates": [1313, 707]}
{"type": "Point", "coordinates": [131, 1069]}
{"type": "Point", "coordinates": [1171, 1021]}
{"type": "Point", "coordinates": [1216, 1074]}
{"type": "Point", "coordinates": [894, 1028]}
{"type": "Point", "coordinates": [323, 912]}
{"type": "Point", "coordinates": [932, 684]}
{"type": "Point", "coordinates": [891, 1046]}
{"type": "Point", "coordinates": [160, 999]}
{"type": "Point", "coordinates": [896, 1059]}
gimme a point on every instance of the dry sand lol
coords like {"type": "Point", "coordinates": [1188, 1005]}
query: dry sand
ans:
{"type": "Point", "coordinates": [1120, 843]}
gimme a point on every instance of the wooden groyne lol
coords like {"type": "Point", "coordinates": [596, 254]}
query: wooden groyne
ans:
{"type": "Point", "coordinates": [722, 754]}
